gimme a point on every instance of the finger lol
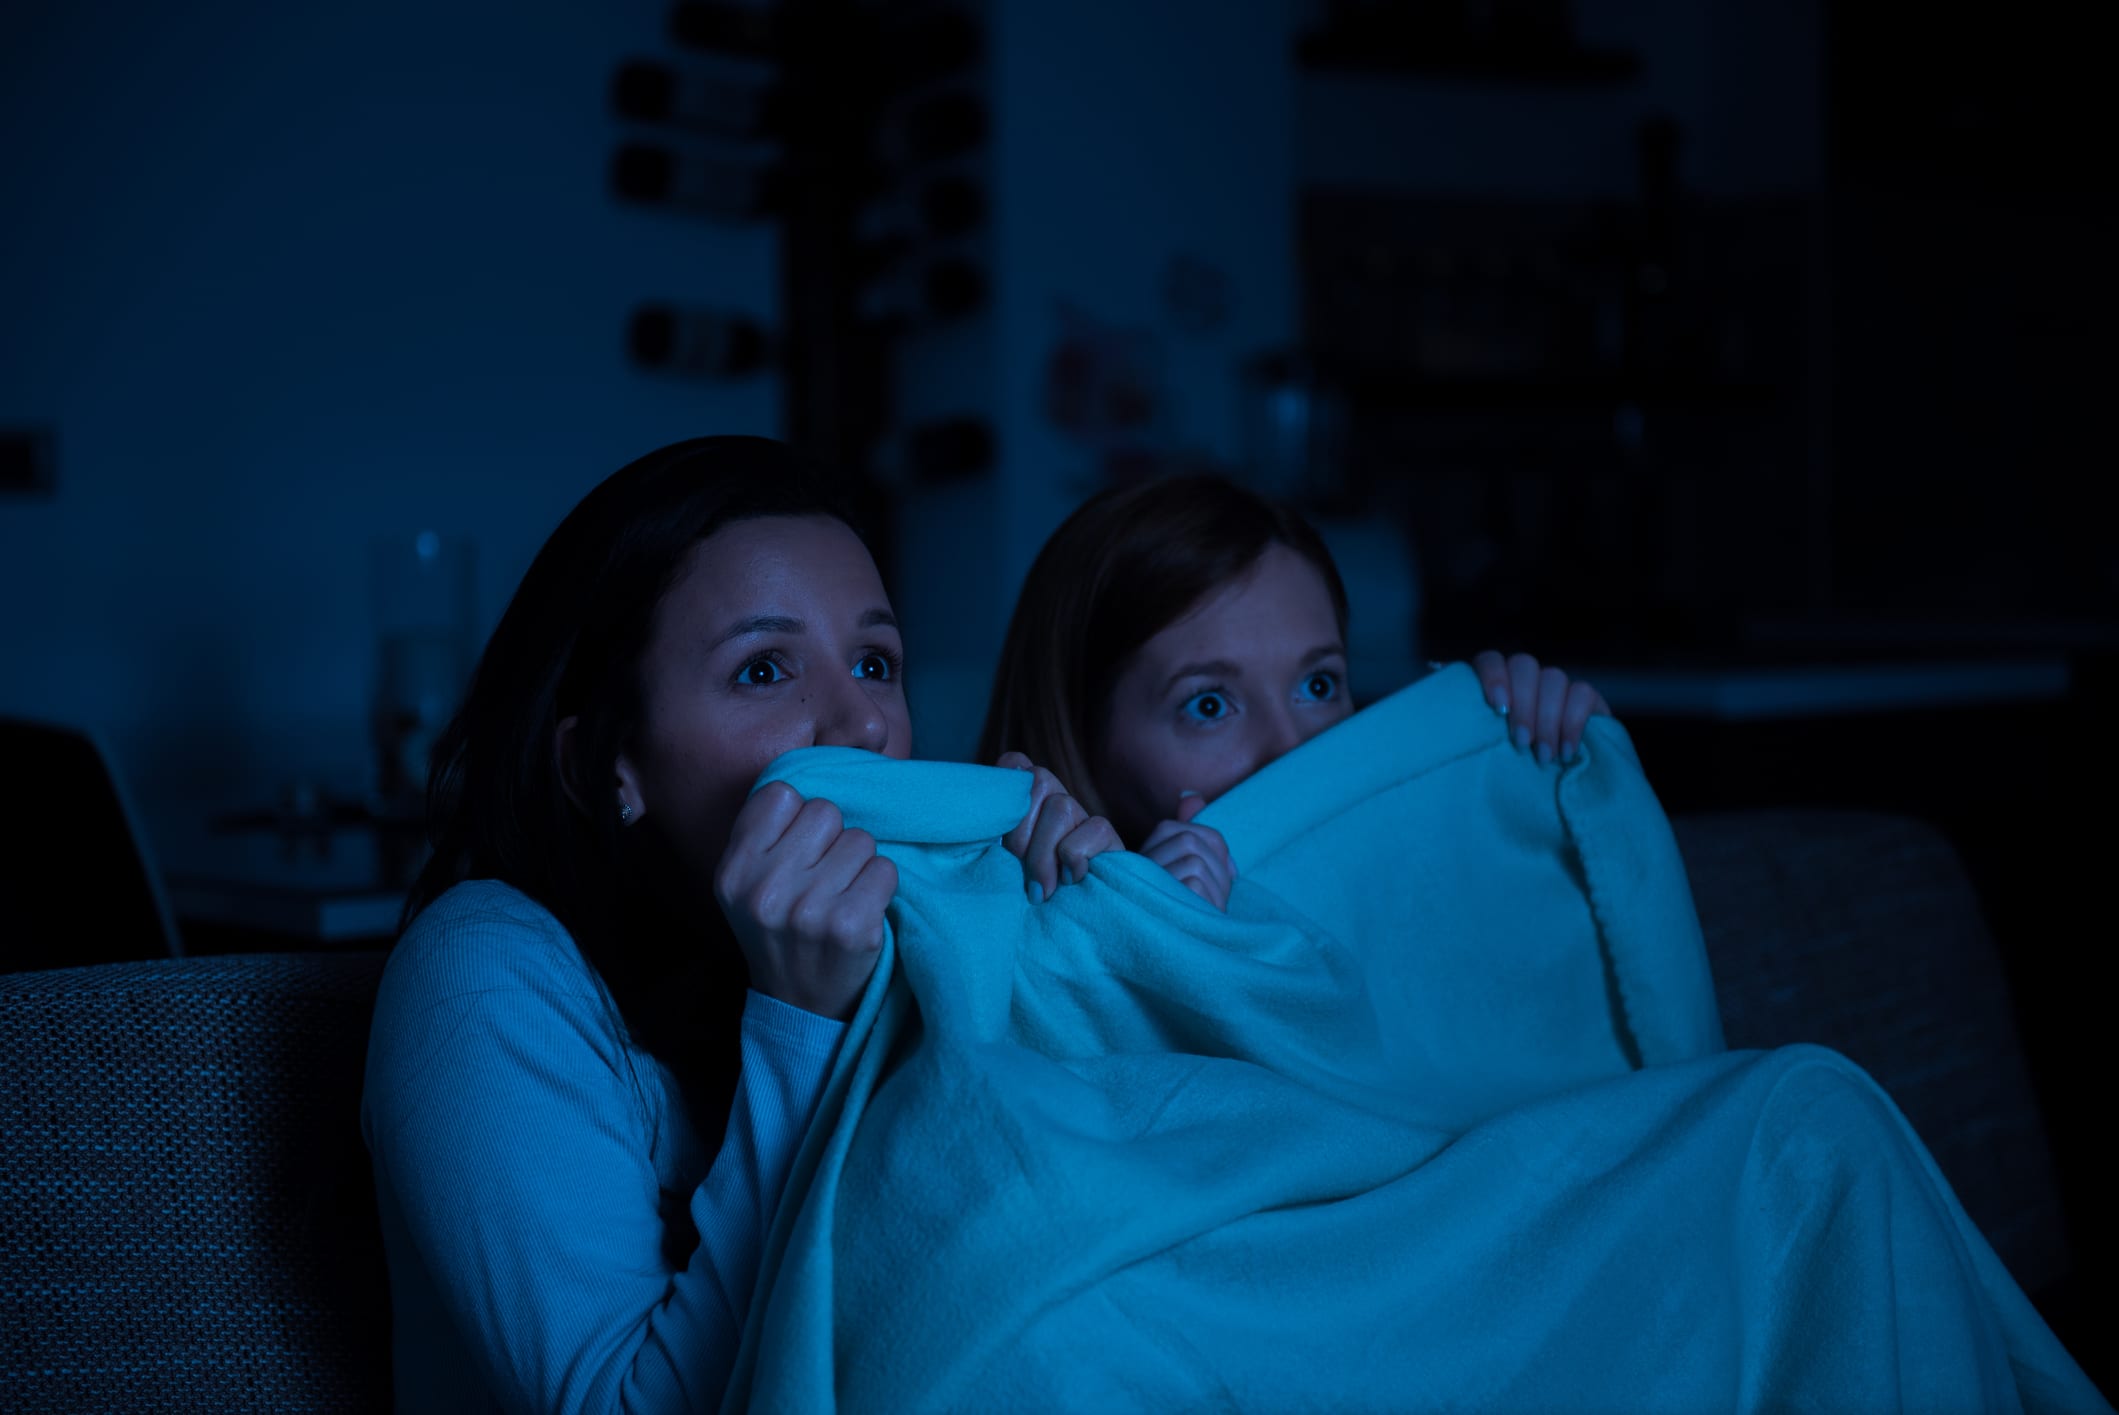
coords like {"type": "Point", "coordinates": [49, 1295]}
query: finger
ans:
{"type": "Point", "coordinates": [1202, 887]}
{"type": "Point", "coordinates": [1523, 695]}
{"type": "Point", "coordinates": [858, 922]}
{"type": "Point", "coordinates": [1198, 876]}
{"type": "Point", "coordinates": [1094, 836]}
{"type": "Point", "coordinates": [759, 825]}
{"type": "Point", "coordinates": [1164, 830]}
{"type": "Point", "coordinates": [1203, 837]}
{"type": "Point", "coordinates": [812, 832]}
{"type": "Point", "coordinates": [1204, 851]}
{"type": "Point", "coordinates": [845, 858]}
{"type": "Point", "coordinates": [798, 884]}
{"type": "Point", "coordinates": [1493, 678]}
{"type": "Point", "coordinates": [765, 817]}
{"type": "Point", "coordinates": [1190, 804]}
{"type": "Point", "coordinates": [1056, 819]}
{"type": "Point", "coordinates": [837, 972]}
{"type": "Point", "coordinates": [1582, 702]}
{"type": "Point", "coordinates": [1552, 702]}
{"type": "Point", "coordinates": [1015, 761]}
{"type": "Point", "coordinates": [1043, 787]}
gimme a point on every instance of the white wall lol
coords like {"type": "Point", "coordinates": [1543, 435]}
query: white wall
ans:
{"type": "Point", "coordinates": [1124, 135]}
{"type": "Point", "coordinates": [283, 276]}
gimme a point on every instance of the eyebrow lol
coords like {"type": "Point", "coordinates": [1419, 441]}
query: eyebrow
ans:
{"type": "Point", "coordinates": [1225, 668]}
{"type": "Point", "coordinates": [783, 624]}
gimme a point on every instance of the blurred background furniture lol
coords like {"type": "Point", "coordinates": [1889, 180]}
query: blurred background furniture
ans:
{"type": "Point", "coordinates": [186, 1219]}
{"type": "Point", "coordinates": [78, 882]}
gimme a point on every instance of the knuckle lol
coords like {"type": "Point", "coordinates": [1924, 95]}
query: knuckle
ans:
{"type": "Point", "coordinates": [765, 903]}
{"type": "Point", "coordinates": [857, 915]}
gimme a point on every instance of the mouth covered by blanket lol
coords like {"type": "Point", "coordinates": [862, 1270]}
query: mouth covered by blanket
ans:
{"type": "Point", "coordinates": [1374, 1139]}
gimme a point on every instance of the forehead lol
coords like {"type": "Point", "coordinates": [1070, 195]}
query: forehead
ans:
{"type": "Point", "coordinates": [1278, 608]}
{"type": "Point", "coordinates": [783, 562]}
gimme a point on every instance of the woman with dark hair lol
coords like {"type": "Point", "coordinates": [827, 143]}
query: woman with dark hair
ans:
{"type": "Point", "coordinates": [622, 975]}
{"type": "Point", "coordinates": [1174, 636]}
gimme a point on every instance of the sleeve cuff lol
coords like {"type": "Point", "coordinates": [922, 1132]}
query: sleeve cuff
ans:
{"type": "Point", "coordinates": [789, 1029]}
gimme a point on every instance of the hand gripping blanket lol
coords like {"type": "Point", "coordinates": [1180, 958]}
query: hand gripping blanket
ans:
{"type": "Point", "coordinates": [1373, 1140]}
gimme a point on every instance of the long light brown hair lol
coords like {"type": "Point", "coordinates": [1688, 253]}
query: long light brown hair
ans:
{"type": "Point", "coordinates": [1125, 566]}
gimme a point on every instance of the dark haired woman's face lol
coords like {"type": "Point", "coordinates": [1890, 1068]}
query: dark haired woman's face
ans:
{"type": "Point", "coordinates": [776, 635]}
{"type": "Point", "coordinates": [1252, 671]}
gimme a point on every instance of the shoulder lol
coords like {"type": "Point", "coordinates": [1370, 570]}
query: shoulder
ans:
{"type": "Point", "coordinates": [487, 997]}
{"type": "Point", "coordinates": [482, 936]}
{"type": "Point", "coordinates": [486, 966]}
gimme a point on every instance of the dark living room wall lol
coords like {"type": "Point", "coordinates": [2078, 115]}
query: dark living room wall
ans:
{"type": "Point", "coordinates": [274, 278]}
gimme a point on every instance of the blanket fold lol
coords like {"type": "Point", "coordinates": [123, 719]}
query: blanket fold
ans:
{"type": "Point", "coordinates": [1374, 1139]}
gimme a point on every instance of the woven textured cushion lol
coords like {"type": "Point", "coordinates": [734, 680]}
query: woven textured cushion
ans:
{"type": "Point", "coordinates": [1861, 932]}
{"type": "Point", "coordinates": [186, 1214]}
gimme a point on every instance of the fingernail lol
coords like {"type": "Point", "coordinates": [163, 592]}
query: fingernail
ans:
{"type": "Point", "coordinates": [1521, 736]}
{"type": "Point", "coordinates": [1036, 892]}
{"type": "Point", "coordinates": [1182, 794]}
{"type": "Point", "coordinates": [1501, 703]}
{"type": "Point", "coordinates": [1545, 754]}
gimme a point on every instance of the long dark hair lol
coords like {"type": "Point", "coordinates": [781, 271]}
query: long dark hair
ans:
{"type": "Point", "coordinates": [1125, 566]}
{"type": "Point", "coordinates": [570, 645]}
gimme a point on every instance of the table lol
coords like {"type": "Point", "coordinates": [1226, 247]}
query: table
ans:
{"type": "Point", "coordinates": [257, 890]}
{"type": "Point", "coordinates": [230, 915]}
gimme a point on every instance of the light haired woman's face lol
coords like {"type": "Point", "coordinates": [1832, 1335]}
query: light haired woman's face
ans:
{"type": "Point", "coordinates": [1249, 673]}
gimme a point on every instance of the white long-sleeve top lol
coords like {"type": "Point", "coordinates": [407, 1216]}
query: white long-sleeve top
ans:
{"type": "Point", "coordinates": [533, 1168]}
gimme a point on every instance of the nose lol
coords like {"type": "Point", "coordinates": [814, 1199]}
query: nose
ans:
{"type": "Point", "coordinates": [853, 718]}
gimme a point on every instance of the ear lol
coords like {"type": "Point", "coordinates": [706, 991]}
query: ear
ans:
{"type": "Point", "coordinates": [566, 757]}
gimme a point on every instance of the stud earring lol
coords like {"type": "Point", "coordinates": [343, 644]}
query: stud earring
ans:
{"type": "Point", "coordinates": [625, 813]}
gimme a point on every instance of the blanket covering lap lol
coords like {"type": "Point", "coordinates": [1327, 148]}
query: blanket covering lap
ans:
{"type": "Point", "coordinates": [1436, 1116]}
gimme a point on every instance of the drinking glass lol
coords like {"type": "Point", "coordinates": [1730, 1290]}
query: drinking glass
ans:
{"type": "Point", "coordinates": [422, 583]}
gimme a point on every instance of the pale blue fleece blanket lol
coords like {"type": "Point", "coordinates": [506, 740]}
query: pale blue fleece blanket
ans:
{"type": "Point", "coordinates": [1371, 1140]}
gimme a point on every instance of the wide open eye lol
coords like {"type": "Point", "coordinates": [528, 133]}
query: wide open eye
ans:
{"type": "Point", "coordinates": [1321, 686]}
{"type": "Point", "coordinates": [878, 667]}
{"type": "Point", "coordinates": [1208, 705]}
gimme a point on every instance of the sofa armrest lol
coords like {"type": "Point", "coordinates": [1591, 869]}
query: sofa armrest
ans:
{"type": "Point", "coordinates": [1861, 932]}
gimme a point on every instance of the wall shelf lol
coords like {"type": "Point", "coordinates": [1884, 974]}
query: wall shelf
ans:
{"type": "Point", "coordinates": [1393, 52]}
{"type": "Point", "coordinates": [1412, 393]}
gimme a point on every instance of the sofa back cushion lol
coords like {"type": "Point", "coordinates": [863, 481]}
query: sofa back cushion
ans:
{"type": "Point", "coordinates": [1861, 932]}
{"type": "Point", "coordinates": [186, 1212]}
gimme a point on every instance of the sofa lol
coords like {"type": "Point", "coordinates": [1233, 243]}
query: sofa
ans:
{"type": "Point", "coordinates": [186, 1221]}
